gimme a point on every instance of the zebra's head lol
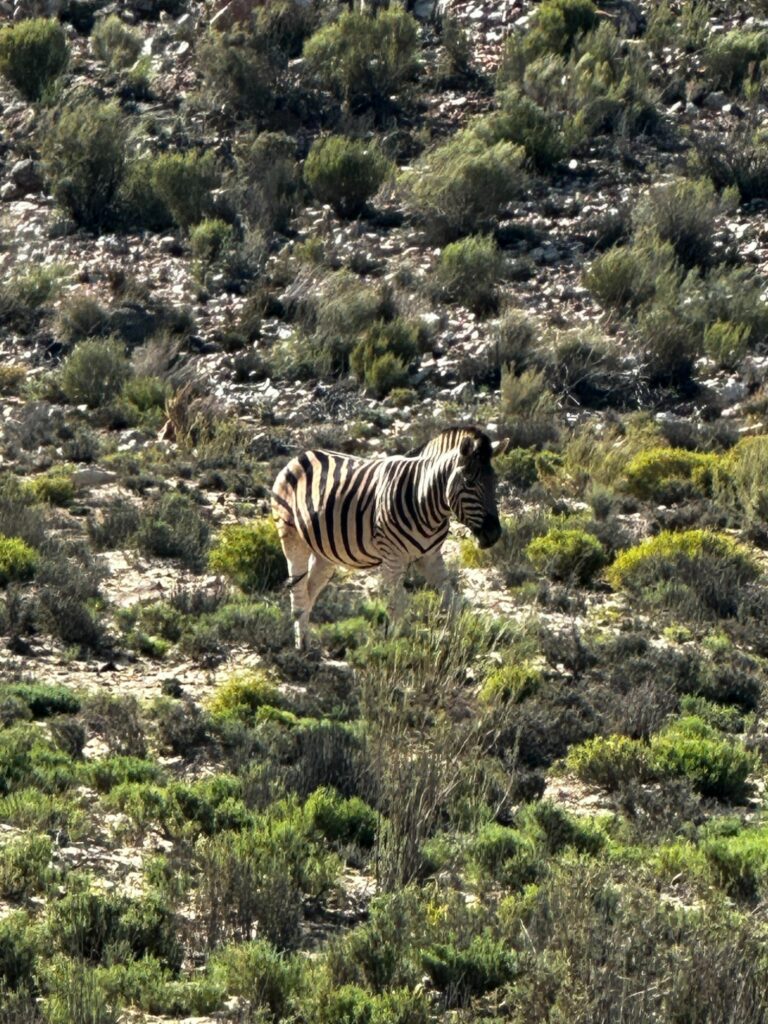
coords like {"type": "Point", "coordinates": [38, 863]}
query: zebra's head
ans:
{"type": "Point", "coordinates": [471, 490]}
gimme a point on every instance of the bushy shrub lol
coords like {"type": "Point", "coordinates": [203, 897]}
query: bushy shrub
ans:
{"type": "Point", "coordinates": [25, 866]}
{"type": "Point", "coordinates": [241, 695]}
{"type": "Point", "coordinates": [364, 60]}
{"type": "Point", "coordinates": [115, 43]}
{"type": "Point", "coordinates": [567, 554]}
{"type": "Point", "coordinates": [511, 683]}
{"type": "Point", "coordinates": [256, 971]}
{"type": "Point", "coordinates": [740, 479]}
{"type": "Point", "coordinates": [17, 560]}
{"type": "Point", "coordinates": [523, 122]}
{"type": "Point", "coordinates": [171, 527]}
{"type": "Point", "coordinates": [740, 160]}
{"type": "Point", "coordinates": [184, 182]}
{"type": "Point", "coordinates": [95, 372]}
{"type": "Point", "coordinates": [468, 271]}
{"type": "Point", "coordinates": [460, 185]}
{"type": "Point", "coordinates": [83, 152]}
{"type": "Point", "coordinates": [209, 239]}
{"type": "Point", "coordinates": [53, 488]}
{"type": "Point", "coordinates": [729, 56]}
{"type": "Point", "coordinates": [713, 765]}
{"type": "Point", "coordinates": [484, 964]}
{"type": "Point", "coordinates": [268, 179]}
{"type": "Point", "coordinates": [558, 24]}
{"type": "Point", "coordinates": [80, 317]}
{"type": "Point", "coordinates": [251, 556]}
{"type": "Point", "coordinates": [710, 567]}
{"type": "Point", "coordinates": [33, 53]}
{"type": "Point", "coordinates": [681, 212]}
{"type": "Point", "coordinates": [739, 862]}
{"type": "Point", "coordinates": [18, 951]}
{"type": "Point", "coordinates": [380, 359]}
{"type": "Point", "coordinates": [345, 172]}
{"type": "Point", "coordinates": [45, 699]}
{"type": "Point", "coordinates": [670, 474]}
{"type": "Point", "coordinates": [626, 276]}
{"type": "Point", "coordinates": [340, 820]}
{"type": "Point", "coordinates": [726, 343]}
{"type": "Point", "coordinates": [611, 761]}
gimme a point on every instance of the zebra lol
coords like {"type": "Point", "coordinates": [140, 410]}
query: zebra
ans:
{"type": "Point", "coordinates": [385, 513]}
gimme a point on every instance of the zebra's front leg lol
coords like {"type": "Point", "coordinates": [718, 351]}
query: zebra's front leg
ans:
{"type": "Point", "coordinates": [297, 554]}
{"type": "Point", "coordinates": [435, 573]}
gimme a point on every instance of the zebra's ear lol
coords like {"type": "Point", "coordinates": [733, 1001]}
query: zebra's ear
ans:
{"type": "Point", "coordinates": [499, 448]}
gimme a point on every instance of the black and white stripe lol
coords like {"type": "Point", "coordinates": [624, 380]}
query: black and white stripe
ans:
{"type": "Point", "coordinates": [385, 513]}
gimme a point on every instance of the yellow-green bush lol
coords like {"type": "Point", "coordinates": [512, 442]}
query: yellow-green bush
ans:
{"type": "Point", "coordinates": [709, 567]}
{"type": "Point", "coordinates": [510, 684]}
{"type": "Point", "coordinates": [242, 695]}
{"type": "Point", "coordinates": [54, 487]}
{"type": "Point", "coordinates": [740, 478]}
{"type": "Point", "coordinates": [610, 761]}
{"type": "Point", "coordinates": [567, 554]}
{"type": "Point", "coordinates": [33, 53]}
{"type": "Point", "coordinates": [250, 555]}
{"type": "Point", "coordinates": [669, 474]}
{"type": "Point", "coordinates": [468, 271]}
{"type": "Point", "coordinates": [95, 372]}
{"type": "Point", "coordinates": [17, 560]}
{"type": "Point", "coordinates": [714, 765]}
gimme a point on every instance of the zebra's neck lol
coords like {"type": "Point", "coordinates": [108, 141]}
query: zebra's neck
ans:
{"type": "Point", "coordinates": [432, 487]}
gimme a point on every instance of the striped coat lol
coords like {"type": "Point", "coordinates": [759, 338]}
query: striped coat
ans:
{"type": "Point", "coordinates": [383, 513]}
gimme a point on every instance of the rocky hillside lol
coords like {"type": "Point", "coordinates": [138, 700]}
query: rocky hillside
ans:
{"type": "Point", "coordinates": [232, 231]}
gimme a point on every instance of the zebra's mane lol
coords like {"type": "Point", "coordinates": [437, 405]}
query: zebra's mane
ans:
{"type": "Point", "coordinates": [449, 439]}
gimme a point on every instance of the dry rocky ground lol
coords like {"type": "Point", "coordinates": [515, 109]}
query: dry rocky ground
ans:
{"type": "Point", "coordinates": [588, 656]}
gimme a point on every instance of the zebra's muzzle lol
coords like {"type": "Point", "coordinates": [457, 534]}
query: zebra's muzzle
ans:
{"type": "Point", "coordinates": [488, 533]}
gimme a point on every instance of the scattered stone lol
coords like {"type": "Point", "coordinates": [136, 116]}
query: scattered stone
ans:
{"type": "Point", "coordinates": [26, 175]}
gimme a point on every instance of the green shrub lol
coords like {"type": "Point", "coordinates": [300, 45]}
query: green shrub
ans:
{"type": "Point", "coordinates": [45, 699]}
{"type": "Point", "coordinates": [340, 820]}
{"type": "Point", "coordinates": [242, 695]}
{"type": "Point", "coordinates": [53, 488]}
{"type": "Point", "coordinates": [33, 53]}
{"type": "Point", "coordinates": [256, 971]}
{"type": "Point", "coordinates": [364, 60]}
{"type": "Point", "coordinates": [83, 152]}
{"type": "Point", "coordinates": [18, 952]}
{"type": "Point", "coordinates": [25, 866]}
{"type": "Point", "coordinates": [345, 172]}
{"type": "Point", "coordinates": [714, 766]}
{"type": "Point", "coordinates": [268, 186]}
{"type": "Point", "coordinates": [739, 160]}
{"type": "Point", "coordinates": [171, 527]}
{"type": "Point", "coordinates": [740, 480]}
{"type": "Point", "coordinates": [712, 568]}
{"type": "Point", "coordinates": [380, 359]}
{"type": "Point", "coordinates": [730, 56]}
{"type": "Point", "coordinates": [17, 560]}
{"type": "Point", "coordinates": [611, 761]}
{"type": "Point", "coordinates": [81, 316]}
{"type": "Point", "coordinates": [681, 212]}
{"type": "Point", "coordinates": [518, 467]}
{"type": "Point", "coordinates": [468, 271]}
{"type": "Point", "coordinates": [739, 862]}
{"type": "Point", "coordinates": [627, 276]}
{"type": "Point", "coordinates": [95, 372]}
{"type": "Point", "coordinates": [564, 554]}
{"type": "Point", "coordinates": [210, 239]}
{"type": "Point", "coordinates": [485, 964]}
{"type": "Point", "coordinates": [670, 474]}
{"type": "Point", "coordinates": [558, 24]}
{"type": "Point", "coordinates": [460, 185]}
{"type": "Point", "coordinates": [115, 43]}
{"type": "Point", "coordinates": [525, 123]}
{"type": "Point", "coordinates": [726, 342]}
{"type": "Point", "coordinates": [183, 182]}
{"type": "Point", "coordinates": [511, 683]}
{"type": "Point", "coordinates": [251, 556]}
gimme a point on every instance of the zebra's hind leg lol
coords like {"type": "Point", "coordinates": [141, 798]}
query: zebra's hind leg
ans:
{"type": "Point", "coordinates": [297, 554]}
{"type": "Point", "coordinates": [435, 573]}
{"type": "Point", "coordinates": [392, 585]}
